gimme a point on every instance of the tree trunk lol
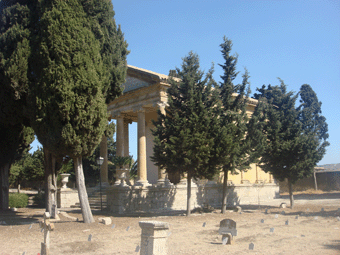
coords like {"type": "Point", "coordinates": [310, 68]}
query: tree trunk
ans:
{"type": "Point", "coordinates": [291, 197]}
{"type": "Point", "coordinates": [188, 193]}
{"type": "Point", "coordinates": [83, 199]}
{"type": "Point", "coordinates": [225, 192]}
{"type": "Point", "coordinates": [4, 187]}
{"type": "Point", "coordinates": [48, 180]}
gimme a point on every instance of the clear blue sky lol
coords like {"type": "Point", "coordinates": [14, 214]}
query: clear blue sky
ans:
{"type": "Point", "coordinates": [298, 41]}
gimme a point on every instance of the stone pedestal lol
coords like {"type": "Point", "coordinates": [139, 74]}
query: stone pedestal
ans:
{"type": "Point", "coordinates": [154, 237]}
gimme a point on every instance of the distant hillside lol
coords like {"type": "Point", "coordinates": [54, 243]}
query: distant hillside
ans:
{"type": "Point", "coordinates": [332, 166]}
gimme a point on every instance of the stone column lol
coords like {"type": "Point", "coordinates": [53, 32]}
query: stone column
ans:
{"type": "Point", "coordinates": [162, 176]}
{"type": "Point", "coordinates": [120, 136]}
{"type": "Point", "coordinates": [141, 170]}
{"type": "Point", "coordinates": [126, 146]}
{"type": "Point", "coordinates": [154, 237]}
{"type": "Point", "coordinates": [103, 169]}
{"type": "Point", "coordinates": [119, 144]}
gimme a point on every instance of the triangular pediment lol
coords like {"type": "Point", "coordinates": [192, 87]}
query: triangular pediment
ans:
{"type": "Point", "coordinates": [133, 83]}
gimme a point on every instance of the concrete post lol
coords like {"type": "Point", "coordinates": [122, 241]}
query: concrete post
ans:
{"type": "Point", "coordinates": [154, 237]}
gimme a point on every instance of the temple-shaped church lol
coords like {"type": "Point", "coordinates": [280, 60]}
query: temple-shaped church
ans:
{"type": "Point", "coordinates": [145, 92]}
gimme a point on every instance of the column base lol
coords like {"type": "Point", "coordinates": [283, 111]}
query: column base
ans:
{"type": "Point", "coordinates": [164, 182]}
{"type": "Point", "coordinates": [142, 183]}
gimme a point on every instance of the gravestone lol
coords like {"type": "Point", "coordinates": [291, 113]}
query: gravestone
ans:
{"type": "Point", "coordinates": [227, 230]}
{"type": "Point", "coordinates": [287, 222]}
{"type": "Point", "coordinates": [228, 226]}
{"type": "Point", "coordinates": [113, 225]}
{"type": "Point", "coordinates": [204, 224]}
{"type": "Point", "coordinates": [262, 221]}
{"type": "Point", "coordinates": [316, 218]}
{"type": "Point", "coordinates": [89, 238]}
{"type": "Point", "coordinates": [276, 216]}
{"type": "Point", "coordinates": [47, 227]}
{"type": "Point", "coordinates": [283, 205]}
{"type": "Point", "coordinates": [128, 228]}
{"type": "Point", "coordinates": [251, 246]}
{"type": "Point", "coordinates": [266, 211]}
{"type": "Point", "coordinates": [271, 230]}
{"type": "Point", "coordinates": [154, 237]}
{"type": "Point", "coordinates": [297, 217]}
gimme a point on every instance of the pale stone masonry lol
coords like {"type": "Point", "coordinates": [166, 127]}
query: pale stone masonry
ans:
{"type": "Point", "coordinates": [154, 237]}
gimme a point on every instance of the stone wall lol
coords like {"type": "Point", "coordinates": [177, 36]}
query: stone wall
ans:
{"type": "Point", "coordinates": [130, 199]}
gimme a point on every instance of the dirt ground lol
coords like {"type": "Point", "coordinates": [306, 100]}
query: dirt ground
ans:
{"type": "Point", "coordinates": [316, 231]}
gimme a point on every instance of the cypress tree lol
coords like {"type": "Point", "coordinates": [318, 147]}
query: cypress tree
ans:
{"type": "Point", "coordinates": [294, 137]}
{"type": "Point", "coordinates": [233, 142]}
{"type": "Point", "coordinates": [14, 52]}
{"type": "Point", "coordinates": [67, 105]}
{"type": "Point", "coordinates": [185, 136]}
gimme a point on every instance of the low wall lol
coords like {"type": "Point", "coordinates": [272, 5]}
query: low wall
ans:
{"type": "Point", "coordinates": [159, 198]}
{"type": "Point", "coordinates": [67, 197]}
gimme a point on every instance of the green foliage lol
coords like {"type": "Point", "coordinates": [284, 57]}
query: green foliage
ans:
{"type": "Point", "coordinates": [294, 138]}
{"type": "Point", "coordinates": [39, 200]}
{"type": "Point", "coordinates": [185, 136]}
{"type": "Point", "coordinates": [113, 47]}
{"type": "Point", "coordinates": [28, 169]}
{"type": "Point", "coordinates": [68, 110]}
{"type": "Point", "coordinates": [234, 144]}
{"type": "Point", "coordinates": [18, 200]}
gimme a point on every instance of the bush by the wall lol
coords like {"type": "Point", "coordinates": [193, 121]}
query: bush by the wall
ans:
{"type": "Point", "coordinates": [18, 200]}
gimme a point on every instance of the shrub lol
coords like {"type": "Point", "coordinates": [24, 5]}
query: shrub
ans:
{"type": "Point", "coordinates": [18, 200]}
{"type": "Point", "coordinates": [39, 200]}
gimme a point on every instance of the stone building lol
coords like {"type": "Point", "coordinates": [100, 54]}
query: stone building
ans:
{"type": "Point", "coordinates": [145, 92]}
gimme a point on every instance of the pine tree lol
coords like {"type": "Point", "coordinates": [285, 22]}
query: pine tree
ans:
{"type": "Point", "coordinates": [294, 137]}
{"type": "Point", "coordinates": [185, 136]}
{"type": "Point", "coordinates": [234, 141]}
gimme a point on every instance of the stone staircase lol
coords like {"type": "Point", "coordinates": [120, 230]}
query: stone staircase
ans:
{"type": "Point", "coordinates": [94, 198]}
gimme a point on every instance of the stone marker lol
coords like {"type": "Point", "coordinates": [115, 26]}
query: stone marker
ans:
{"type": "Point", "coordinates": [271, 230]}
{"type": "Point", "coordinates": [238, 209]}
{"type": "Point", "coordinates": [47, 226]}
{"type": "Point", "coordinates": [154, 237]}
{"type": "Point", "coordinates": [297, 217]}
{"type": "Point", "coordinates": [30, 226]}
{"type": "Point", "coordinates": [251, 246]}
{"type": "Point", "coordinates": [105, 220]}
{"type": "Point", "coordinates": [283, 205]}
{"type": "Point", "coordinates": [137, 248]}
{"type": "Point", "coordinates": [262, 221]}
{"type": "Point", "coordinates": [227, 230]}
{"type": "Point", "coordinates": [276, 216]}
{"type": "Point", "coordinates": [228, 226]}
{"type": "Point", "coordinates": [287, 222]}
{"type": "Point", "coordinates": [283, 213]}
{"type": "Point", "coordinates": [316, 218]}
{"type": "Point", "coordinates": [113, 225]}
{"type": "Point", "coordinates": [322, 209]}
{"type": "Point", "coordinates": [266, 211]}
{"type": "Point", "coordinates": [90, 238]}
{"type": "Point", "coordinates": [127, 229]}
{"type": "Point", "coordinates": [204, 224]}
{"type": "Point", "coordinates": [227, 239]}
{"type": "Point", "coordinates": [338, 218]}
